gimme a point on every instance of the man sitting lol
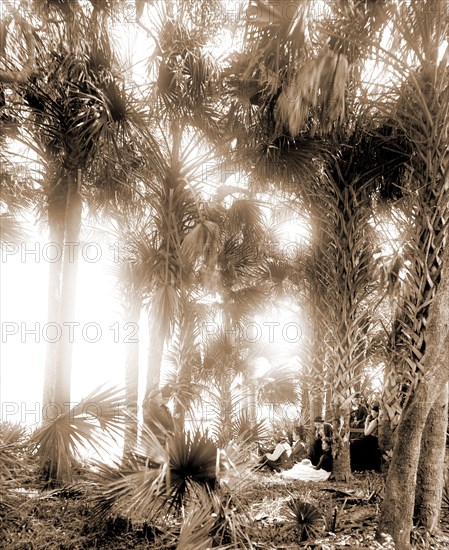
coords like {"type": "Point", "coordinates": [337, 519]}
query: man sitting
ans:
{"type": "Point", "coordinates": [279, 458]}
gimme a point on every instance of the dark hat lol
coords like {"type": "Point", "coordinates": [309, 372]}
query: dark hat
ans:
{"type": "Point", "coordinates": [318, 419]}
{"type": "Point", "coordinates": [357, 395]}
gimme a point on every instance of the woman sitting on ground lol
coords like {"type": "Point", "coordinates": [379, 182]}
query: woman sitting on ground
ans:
{"type": "Point", "coordinates": [306, 471]}
{"type": "Point", "coordinates": [299, 447]}
{"type": "Point", "coordinates": [322, 429]}
{"type": "Point", "coordinates": [325, 460]}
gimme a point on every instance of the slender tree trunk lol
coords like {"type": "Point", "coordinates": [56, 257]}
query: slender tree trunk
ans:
{"type": "Point", "coordinates": [155, 355]}
{"type": "Point", "coordinates": [251, 400]}
{"type": "Point", "coordinates": [305, 397]}
{"type": "Point", "coordinates": [226, 383]}
{"type": "Point", "coordinates": [225, 407]}
{"type": "Point", "coordinates": [56, 209]}
{"type": "Point", "coordinates": [68, 287]}
{"type": "Point", "coordinates": [132, 383]}
{"type": "Point", "coordinates": [390, 410]}
{"type": "Point", "coordinates": [430, 478]}
{"type": "Point", "coordinates": [187, 351]}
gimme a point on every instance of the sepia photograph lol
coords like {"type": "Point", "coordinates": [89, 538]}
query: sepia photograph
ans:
{"type": "Point", "coordinates": [224, 274]}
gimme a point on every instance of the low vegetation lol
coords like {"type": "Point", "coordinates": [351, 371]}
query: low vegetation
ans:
{"type": "Point", "coordinates": [188, 494]}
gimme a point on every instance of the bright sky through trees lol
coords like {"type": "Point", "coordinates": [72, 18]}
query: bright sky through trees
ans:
{"type": "Point", "coordinates": [100, 337]}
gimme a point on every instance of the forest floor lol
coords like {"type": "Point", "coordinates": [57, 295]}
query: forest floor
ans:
{"type": "Point", "coordinates": [348, 512]}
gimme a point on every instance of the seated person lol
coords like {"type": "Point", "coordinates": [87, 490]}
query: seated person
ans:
{"type": "Point", "coordinates": [322, 429]}
{"type": "Point", "coordinates": [357, 416]}
{"type": "Point", "coordinates": [280, 457]}
{"type": "Point", "coordinates": [299, 450]}
{"type": "Point", "coordinates": [325, 461]}
{"type": "Point", "coordinates": [306, 471]}
{"type": "Point", "coordinates": [365, 453]}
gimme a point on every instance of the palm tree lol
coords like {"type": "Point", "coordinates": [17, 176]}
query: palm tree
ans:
{"type": "Point", "coordinates": [72, 108]}
{"type": "Point", "coordinates": [295, 114]}
{"type": "Point", "coordinates": [420, 115]}
{"type": "Point", "coordinates": [131, 271]}
{"type": "Point", "coordinates": [181, 94]}
{"type": "Point", "coordinates": [239, 272]}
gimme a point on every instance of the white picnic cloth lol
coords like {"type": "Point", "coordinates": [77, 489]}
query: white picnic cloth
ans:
{"type": "Point", "coordinates": [305, 472]}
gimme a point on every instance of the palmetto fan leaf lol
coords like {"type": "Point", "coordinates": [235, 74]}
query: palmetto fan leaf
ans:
{"type": "Point", "coordinates": [203, 241]}
{"type": "Point", "coordinates": [186, 75]}
{"type": "Point", "coordinates": [307, 518]}
{"type": "Point", "coordinates": [11, 230]}
{"type": "Point", "coordinates": [58, 442]}
{"type": "Point", "coordinates": [13, 456]}
{"type": "Point", "coordinates": [132, 488]}
{"type": "Point", "coordinates": [198, 521]}
{"type": "Point", "coordinates": [246, 215]}
{"type": "Point", "coordinates": [193, 459]}
{"type": "Point", "coordinates": [164, 308]}
{"type": "Point", "coordinates": [248, 431]}
{"type": "Point", "coordinates": [278, 386]}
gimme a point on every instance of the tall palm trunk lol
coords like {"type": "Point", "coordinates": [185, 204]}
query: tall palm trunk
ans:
{"type": "Point", "coordinates": [315, 371]}
{"type": "Point", "coordinates": [64, 216]}
{"type": "Point", "coordinates": [348, 263]}
{"type": "Point", "coordinates": [161, 332]}
{"type": "Point", "coordinates": [132, 381]}
{"type": "Point", "coordinates": [70, 256]}
{"type": "Point", "coordinates": [155, 355]}
{"type": "Point", "coordinates": [226, 383]}
{"type": "Point", "coordinates": [56, 212]}
{"type": "Point", "coordinates": [315, 368]}
{"type": "Point", "coordinates": [421, 345]}
{"type": "Point", "coordinates": [187, 353]}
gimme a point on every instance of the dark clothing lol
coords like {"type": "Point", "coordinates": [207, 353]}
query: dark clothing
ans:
{"type": "Point", "coordinates": [325, 462]}
{"type": "Point", "coordinates": [284, 462]}
{"type": "Point", "coordinates": [328, 429]}
{"type": "Point", "coordinates": [365, 454]}
{"type": "Point", "coordinates": [357, 420]}
{"type": "Point", "coordinates": [298, 451]}
{"type": "Point", "coordinates": [315, 451]}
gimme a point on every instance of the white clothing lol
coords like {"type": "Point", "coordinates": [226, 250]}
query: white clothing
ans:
{"type": "Point", "coordinates": [306, 472]}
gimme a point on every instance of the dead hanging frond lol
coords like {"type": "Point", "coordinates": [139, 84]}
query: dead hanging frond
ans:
{"type": "Point", "coordinates": [316, 92]}
{"type": "Point", "coordinates": [203, 242]}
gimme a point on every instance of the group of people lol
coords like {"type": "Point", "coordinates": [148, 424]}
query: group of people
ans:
{"type": "Point", "coordinates": [364, 445]}
{"type": "Point", "coordinates": [291, 450]}
{"type": "Point", "coordinates": [291, 454]}
{"type": "Point", "coordinates": [297, 458]}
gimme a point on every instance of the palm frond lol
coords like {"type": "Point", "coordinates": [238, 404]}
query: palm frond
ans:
{"type": "Point", "coordinates": [59, 441]}
{"type": "Point", "coordinates": [307, 518]}
{"type": "Point", "coordinates": [198, 521]}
